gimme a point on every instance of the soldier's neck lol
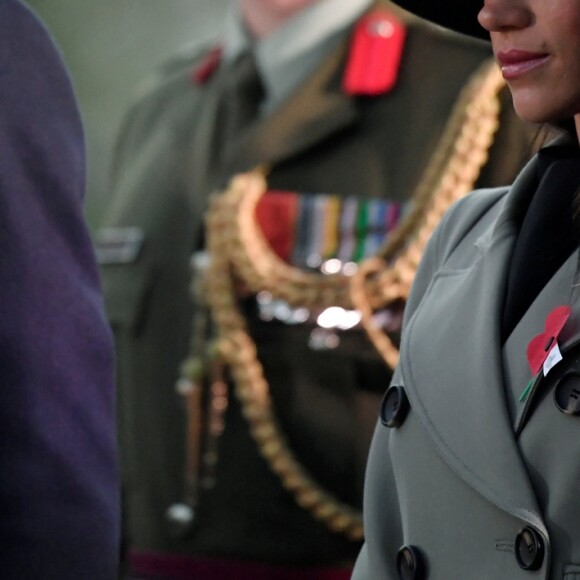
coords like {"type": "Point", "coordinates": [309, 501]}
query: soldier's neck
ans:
{"type": "Point", "coordinates": [263, 17]}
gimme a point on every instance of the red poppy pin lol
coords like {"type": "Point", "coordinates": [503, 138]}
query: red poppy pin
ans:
{"type": "Point", "coordinates": [541, 345]}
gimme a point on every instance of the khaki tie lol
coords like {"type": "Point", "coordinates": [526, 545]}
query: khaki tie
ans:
{"type": "Point", "coordinates": [243, 94]}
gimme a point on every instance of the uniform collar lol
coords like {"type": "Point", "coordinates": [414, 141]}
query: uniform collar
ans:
{"type": "Point", "coordinates": [286, 58]}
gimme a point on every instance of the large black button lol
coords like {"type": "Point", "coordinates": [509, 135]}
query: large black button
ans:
{"type": "Point", "coordinates": [394, 407]}
{"type": "Point", "coordinates": [529, 549]}
{"type": "Point", "coordinates": [567, 393]}
{"type": "Point", "coordinates": [410, 564]}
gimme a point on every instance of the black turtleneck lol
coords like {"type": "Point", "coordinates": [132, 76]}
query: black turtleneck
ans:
{"type": "Point", "coordinates": [549, 232]}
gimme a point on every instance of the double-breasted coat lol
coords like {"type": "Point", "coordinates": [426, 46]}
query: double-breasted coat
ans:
{"type": "Point", "coordinates": [479, 479]}
{"type": "Point", "coordinates": [320, 140]}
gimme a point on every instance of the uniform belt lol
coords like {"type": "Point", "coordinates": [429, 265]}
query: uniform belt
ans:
{"type": "Point", "coordinates": [148, 565]}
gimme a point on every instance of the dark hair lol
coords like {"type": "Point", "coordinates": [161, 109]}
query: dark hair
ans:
{"type": "Point", "coordinates": [567, 125]}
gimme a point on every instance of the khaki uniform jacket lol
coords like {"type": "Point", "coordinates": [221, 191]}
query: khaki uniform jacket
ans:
{"type": "Point", "coordinates": [462, 476]}
{"type": "Point", "coordinates": [320, 140]}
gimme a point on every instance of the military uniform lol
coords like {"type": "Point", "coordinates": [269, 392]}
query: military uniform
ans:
{"type": "Point", "coordinates": [320, 139]}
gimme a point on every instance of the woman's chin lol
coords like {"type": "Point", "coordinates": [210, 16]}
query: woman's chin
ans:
{"type": "Point", "coordinates": [538, 111]}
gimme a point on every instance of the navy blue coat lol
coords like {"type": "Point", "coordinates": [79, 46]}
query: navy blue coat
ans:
{"type": "Point", "coordinates": [58, 475]}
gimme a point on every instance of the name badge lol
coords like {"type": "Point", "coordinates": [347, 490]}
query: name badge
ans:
{"type": "Point", "coordinates": [118, 245]}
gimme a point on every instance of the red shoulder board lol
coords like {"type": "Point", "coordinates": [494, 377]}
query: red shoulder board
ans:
{"type": "Point", "coordinates": [375, 55]}
{"type": "Point", "coordinates": [207, 66]}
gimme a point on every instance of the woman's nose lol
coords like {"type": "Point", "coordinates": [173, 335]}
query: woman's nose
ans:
{"type": "Point", "coordinates": [503, 15]}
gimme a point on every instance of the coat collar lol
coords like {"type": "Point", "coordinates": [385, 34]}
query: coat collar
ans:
{"type": "Point", "coordinates": [525, 185]}
{"type": "Point", "coordinates": [286, 58]}
{"type": "Point", "coordinates": [516, 203]}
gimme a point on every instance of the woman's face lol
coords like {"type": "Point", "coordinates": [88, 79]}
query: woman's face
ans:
{"type": "Point", "coordinates": [537, 45]}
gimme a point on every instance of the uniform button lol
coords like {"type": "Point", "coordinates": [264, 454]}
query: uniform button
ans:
{"type": "Point", "coordinates": [529, 549]}
{"type": "Point", "coordinates": [394, 407]}
{"type": "Point", "coordinates": [410, 564]}
{"type": "Point", "coordinates": [180, 519]}
{"type": "Point", "coordinates": [567, 393]}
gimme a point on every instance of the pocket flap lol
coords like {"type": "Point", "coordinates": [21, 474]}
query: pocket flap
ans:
{"type": "Point", "coordinates": [125, 289]}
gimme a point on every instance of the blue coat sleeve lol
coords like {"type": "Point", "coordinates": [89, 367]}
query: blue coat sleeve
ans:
{"type": "Point", "coordinates": [58, 473]}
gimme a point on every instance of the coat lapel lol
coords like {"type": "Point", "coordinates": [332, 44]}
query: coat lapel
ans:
{"type": "Point", "coordinates": [462, 403]}
{"type": "Point", "coordinates": [317, 111]}
{"type": "Point", "coordinates": [204, 173]}
{"type": "Point", "coordinates": [517, 372]}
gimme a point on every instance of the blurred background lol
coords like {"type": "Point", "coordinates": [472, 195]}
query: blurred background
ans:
{"type": "Point", "coordinates": [110, 46]}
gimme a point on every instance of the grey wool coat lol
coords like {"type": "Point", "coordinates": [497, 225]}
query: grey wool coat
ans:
{"type": "Point", "coordinates": [471, 466]}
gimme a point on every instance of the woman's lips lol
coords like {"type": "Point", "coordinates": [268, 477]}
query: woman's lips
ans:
{"type": "Point", "coordinates": [515, 63]}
